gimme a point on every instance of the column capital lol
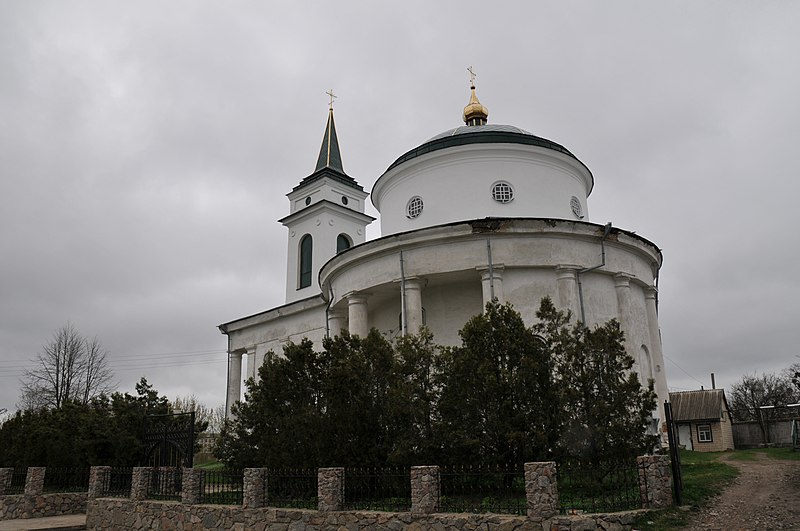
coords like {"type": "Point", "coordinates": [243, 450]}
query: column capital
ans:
{"type": "Point", "coordinates": [567, 271]}
{"type": "Point", "coordinates": [356, 297]}
{"type": "Point", "coordinates": [497, 271]}
{"type": "Point", "coordinates": [622, 280]}
{"type": "Point", "coordinates": [411, 282]}
{"type": "Point", "coordinates": [650, 292]}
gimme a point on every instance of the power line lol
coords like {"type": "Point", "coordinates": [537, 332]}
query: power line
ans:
{"type": "Point", "coordinates": [683, 370]}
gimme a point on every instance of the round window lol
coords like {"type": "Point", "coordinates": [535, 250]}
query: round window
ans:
{"type": "Point", "coordinates": [502, 192]}
{"type": "Point", "coordinates": [344, 200]}
{"type": "Point", "coordinates": [575, 205]}
{"type": "Point", "coordinates": [414, 207]}
{"type": "Point", "coordinates": [308, 200]}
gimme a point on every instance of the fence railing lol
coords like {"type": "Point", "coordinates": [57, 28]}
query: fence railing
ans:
{"type": "Point", "coordinates": [16, 483]}
{"type": "Point", "coordinates": [598, 487]}
{"type": "Point", "coordinates": [291, 488]}
{"type": "Point", "coordinates": [119, 483]}
{"type": "Point", "coordinates": [377, 489]}
{"type": "Point", "coordinates": [165, 483]}
{"type": "Point", "coordinates": [222, 487]}
{"type": "Point", "coordinates": [571, 487]}
{"type": "Point", "coordinates": [483, 489]}
{"type": "Point", "coordinates": [66, 479]}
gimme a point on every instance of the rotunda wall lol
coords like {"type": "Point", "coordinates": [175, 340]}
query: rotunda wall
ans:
{"type": "Point", "coordinates": [457, 184]}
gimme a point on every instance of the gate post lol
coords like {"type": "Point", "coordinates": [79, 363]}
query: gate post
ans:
{"type": "Point", "coordinates": [99, 481]}
{"type": "Point", "coordinates": [140, 482]}
{"type": "Point", "coordinates": [34, 480]}
{"type": "Point", "coordinates": [5, 479]}
{"type": "Point", "coordinates": [541, 489]}
{"type": "Point", "coordinates": [425, 489]}
{"type": "Point", "coordinates": [330, 489]}
{"type": "Point", "coordinates": [255, 488]}
{"type": "Point", "coordinates": [192, 485]}
{"type": "Point", "coordinates": [655, 481]}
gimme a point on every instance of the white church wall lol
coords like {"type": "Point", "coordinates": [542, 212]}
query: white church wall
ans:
{"type": "Point", "coordinates": [455, 183]}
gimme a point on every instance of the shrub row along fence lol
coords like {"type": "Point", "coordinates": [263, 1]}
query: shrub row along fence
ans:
{"type": "Point", "coordinates": [535, 489]}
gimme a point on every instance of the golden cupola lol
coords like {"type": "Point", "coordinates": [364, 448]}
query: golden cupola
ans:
{"type": "Point", "coordinates": [475, 113]}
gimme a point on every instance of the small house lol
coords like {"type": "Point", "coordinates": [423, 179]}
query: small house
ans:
{"type": "Point", "coordinates": [703, 420]}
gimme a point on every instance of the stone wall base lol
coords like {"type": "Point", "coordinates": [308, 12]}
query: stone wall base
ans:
{"type": "Point", "coordinates": [108, 513]}
{"type": "Point", "coordinates": [21, 506]}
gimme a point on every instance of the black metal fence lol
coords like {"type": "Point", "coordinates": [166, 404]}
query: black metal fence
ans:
{"type": "Point", "coordinates": [16, 483]}
{"type": "Point", "coordinates": [598, 487]}
{"type": "Point", "coordinates": [377, 489]}
{"type": "Point", "coordinates": [165, 483]}
{"type": "Point", "coordinates": [66, 479]}
{"type": "Point", "coordinates": [291, 488]}
{"type": "Point", "coordinates": [222, 487]}
{"type": "Point", "coordinates": [119, 482]}
{"type": "Point", "coordinates": [483, 489]}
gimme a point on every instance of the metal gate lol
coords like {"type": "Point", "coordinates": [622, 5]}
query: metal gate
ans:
{"type": "Point", "coordinates": [169, 440]}
{"type": "Point", "coordinates": [674, 455]}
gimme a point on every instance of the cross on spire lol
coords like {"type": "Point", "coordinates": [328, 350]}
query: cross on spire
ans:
{"type": "Point", "coordinates": [472, 76]}
{"type": "Point", "coordinates": [332, 97]}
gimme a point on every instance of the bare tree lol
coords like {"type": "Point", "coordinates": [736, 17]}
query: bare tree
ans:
{"type": "Point", "coordinates": [69, 367]}
{"type": "Point", "coordinates": [757, 397]}
{"type": "Point", "coordinates": [203, 414]}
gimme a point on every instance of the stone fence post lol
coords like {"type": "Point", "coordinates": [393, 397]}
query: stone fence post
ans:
{"type": "Point", "coordinates": [425, 489]}
{"type": "Point", "coordinates": [330, 489]}
{"type": "Point", "coordinates": [34, 481]}
{"type": "Point", "coordinates": [655, 481]}
{"type": "Point", "coordinates": [140, 482]}
{"type": "Point", "coordinates": [255, 488]}
{"type": "Point", "coordinates": [541, 489]}
{"type": "Point", "coordinates": [99, 481]}
{"type": "Point", "coordinates": [192, 485]}
{"type": "Point", "coordinates": [5, 479]}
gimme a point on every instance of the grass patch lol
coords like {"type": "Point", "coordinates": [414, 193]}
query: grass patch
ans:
{"type": "Point", "coordinates": [703, 477]}
{"type": "Point", "coordinates": [778, 453]}
{"type": "Point", "coordinates": [211, 465]}
{"type": "Point", "coordinates": [753, 454]}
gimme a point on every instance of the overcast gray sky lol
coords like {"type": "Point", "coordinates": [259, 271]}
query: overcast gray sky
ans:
{"type": "Point", "coordinates": [146, 149]}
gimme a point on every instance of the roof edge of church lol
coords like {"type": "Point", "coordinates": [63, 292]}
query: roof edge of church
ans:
{"type": "Point", "coordinates": [476, 136]}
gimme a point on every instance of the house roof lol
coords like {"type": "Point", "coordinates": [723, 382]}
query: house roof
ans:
{"type": "Point", "coordinates": [705, 404]}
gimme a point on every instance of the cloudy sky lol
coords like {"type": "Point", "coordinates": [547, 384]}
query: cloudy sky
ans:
{"type": "Point", "coordinates": [146, 149]}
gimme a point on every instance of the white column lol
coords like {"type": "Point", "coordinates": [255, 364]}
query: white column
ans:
{"type": "Point", "coordinates": [567, 280]}
{"type": "Point", "coordinates": [357, 314]}
{"type": "Point", "coordinates": [234, 380]}
{"type": "Point", "coordinates": [656, 352]}
{"type": "Point", "coordinates": [622, 284]}
{"type": "Point", "coordinates": [337, 320]}
{"type": "Point", "coordinates": [492, 284]}
{"type": "Point", "coordinates": [252, 364]}
{"type": "Point", "coordinates": [413, 287]}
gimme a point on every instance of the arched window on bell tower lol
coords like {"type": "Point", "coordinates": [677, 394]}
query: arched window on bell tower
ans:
{"type": "Point", "coordinates": [343, 243]}
{"type": "Point", "coordinates": [306, 252]}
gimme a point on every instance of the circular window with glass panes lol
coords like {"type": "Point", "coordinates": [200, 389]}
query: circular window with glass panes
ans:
{"type": "Point", "coordinates": [502, 192]}
{"type": "Point", "coordinates": [414, 207]}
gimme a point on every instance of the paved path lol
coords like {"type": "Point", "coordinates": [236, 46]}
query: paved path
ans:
{"type": "Point", "coordinates": [62, 523]}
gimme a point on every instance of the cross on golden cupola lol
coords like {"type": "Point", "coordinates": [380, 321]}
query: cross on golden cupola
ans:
{"type": "Point", "coordinates": [474, 113]}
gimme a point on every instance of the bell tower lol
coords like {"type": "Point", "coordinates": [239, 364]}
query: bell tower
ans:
{"type": "Point", "coordinates": [326, 217]}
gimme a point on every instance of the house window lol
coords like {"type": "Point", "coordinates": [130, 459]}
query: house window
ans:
{"type": "Point", "coordinates": [343, 243]}
{"type": "Point", "coordinates": [306, 250]}
{"type": "Point", "coordinates": [704, 433]}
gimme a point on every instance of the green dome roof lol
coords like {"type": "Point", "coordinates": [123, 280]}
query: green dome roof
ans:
{"type": "Point", "coordinates": [481, 134]}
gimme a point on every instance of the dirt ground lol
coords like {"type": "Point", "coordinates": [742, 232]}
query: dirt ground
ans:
{"type": "Point", "coordinates": [766, 495]}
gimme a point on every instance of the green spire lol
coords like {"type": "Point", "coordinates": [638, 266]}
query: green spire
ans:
{"type": "Point", "coordinates": [329, 155]}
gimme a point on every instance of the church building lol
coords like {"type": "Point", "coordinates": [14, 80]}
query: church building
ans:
{"type": "Point", "coordinates": [478, 212]}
